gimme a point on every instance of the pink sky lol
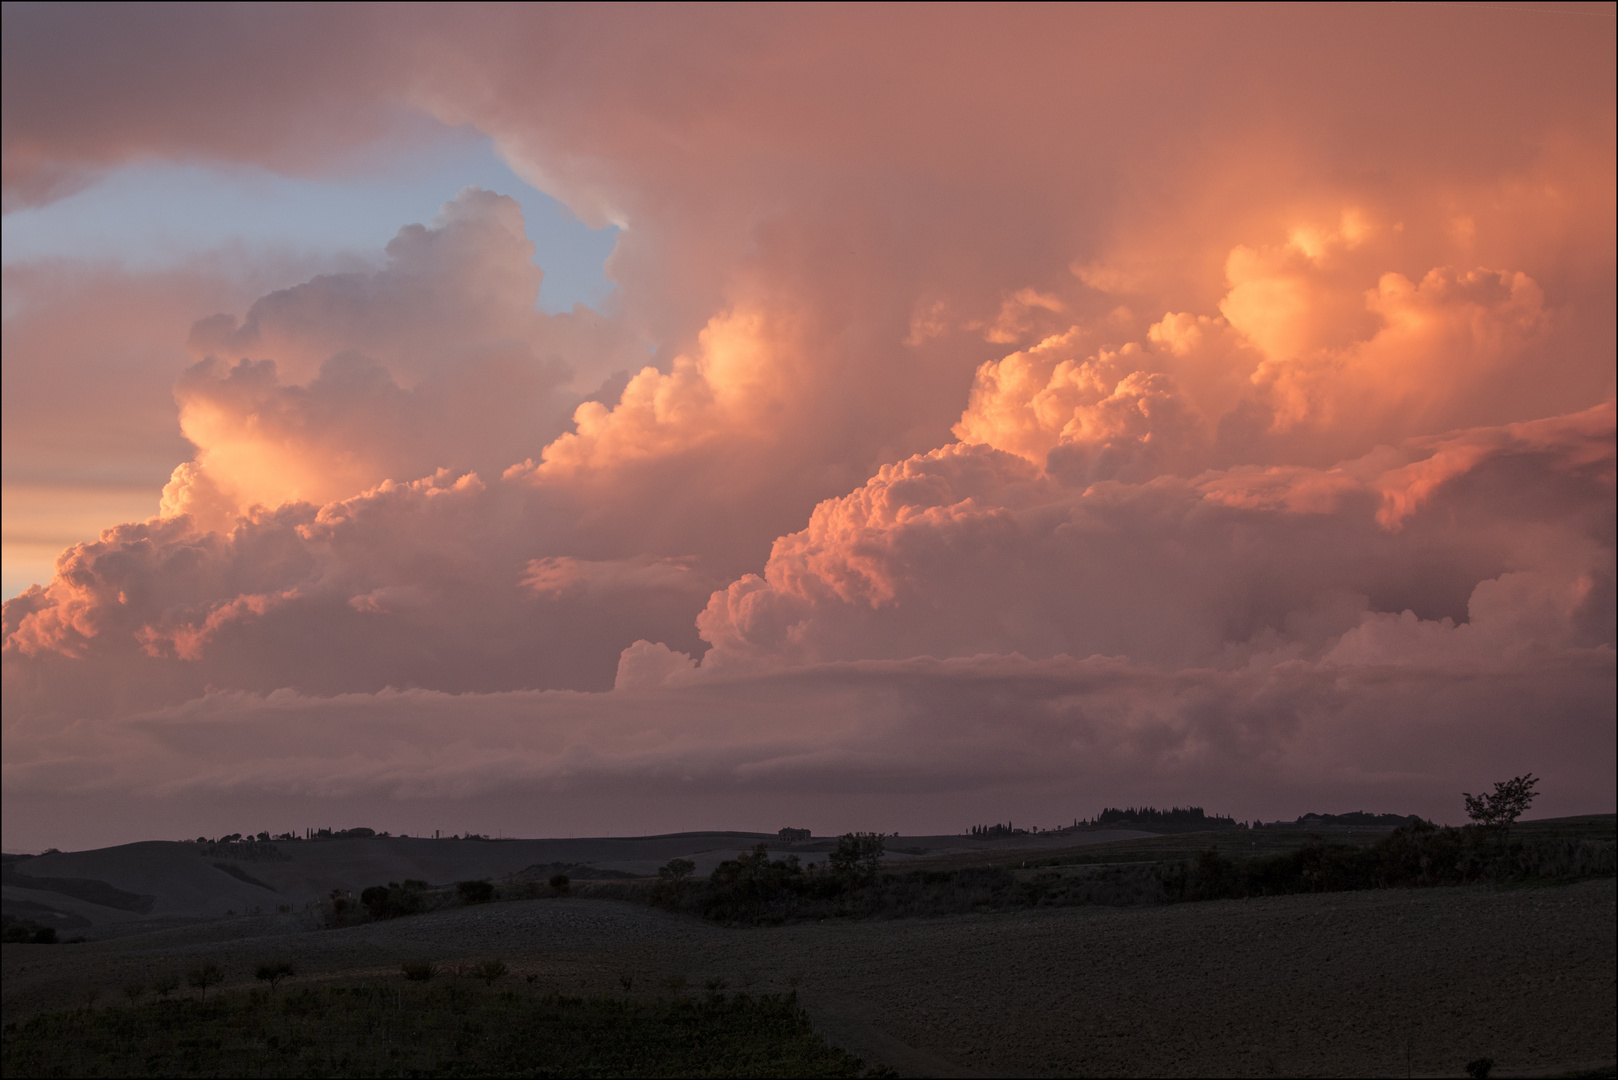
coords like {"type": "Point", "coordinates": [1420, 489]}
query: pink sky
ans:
{"type": "Point", "coordinates": [1001, 412]}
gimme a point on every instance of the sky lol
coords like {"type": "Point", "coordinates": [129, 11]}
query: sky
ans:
{"type": "Point", "coordinates": [152, 217]}
{"type": "Point", "coordinates": [619, 420]}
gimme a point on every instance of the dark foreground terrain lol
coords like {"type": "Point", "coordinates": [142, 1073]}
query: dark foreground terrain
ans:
{"type": "Point", "coordinates": [450, 1029]}
{"type": "Point", "coordinates": [1379, 982]}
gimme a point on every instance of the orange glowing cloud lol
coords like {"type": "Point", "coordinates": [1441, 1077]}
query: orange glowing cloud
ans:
{"type": "Point", "coordinates": [1053, 392]}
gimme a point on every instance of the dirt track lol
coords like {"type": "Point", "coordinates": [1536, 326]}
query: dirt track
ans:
{"type": "Point", "coordinates": [1348, 983]}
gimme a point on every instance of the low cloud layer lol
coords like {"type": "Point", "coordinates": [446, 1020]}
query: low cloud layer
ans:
{"type": "Point", "coordinates": [924, 739]}
{"type": "Point", "coordinates": [916, 464]}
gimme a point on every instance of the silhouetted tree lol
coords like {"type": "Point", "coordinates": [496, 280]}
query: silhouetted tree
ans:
{"type": "Point", "coordinates": [375, 900]}
{"type": "Point", "coordinates": [1500, 810]}
{"type": "Point", "coordinates": [858, 858]}
{"type": "Point", "coordinates": [274, 971]}
{"type": "Point", "coordinates": [676, 870]}
{"type": "Point", "coordinates": [205, 975]}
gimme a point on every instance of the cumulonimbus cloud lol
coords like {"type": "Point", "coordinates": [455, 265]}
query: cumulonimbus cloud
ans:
{"type": "Point", "coordinates": [972, 550]}
{"type": "Point", "coordinates": [1199, 444]}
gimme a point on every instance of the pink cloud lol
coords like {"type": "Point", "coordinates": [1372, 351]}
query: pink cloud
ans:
{"type": "Point", "coordinates": [970, 550]}
{"type": "Point", "coordinates": [1065, 398]}
{"type": "Point", "coordinates": [937, 734]}
{"type": "Point", "coordinates": [438, 359]}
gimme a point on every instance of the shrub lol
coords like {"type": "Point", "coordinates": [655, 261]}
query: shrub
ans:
{"type": "Point", "coordinates": [375, 900]}
{"type": "Point", "coordinates": [392, 900]}
{"type": "Point", "coordinates": [474, 892]}
{"type": "Point", "coordinates": [744, 887]}
{"type": "Point", "coordinates": [418, 971]}
{"type": "Point", "coordinates": [754, 889]}
{"type": "Point", "coordinates": [858, 858]}
{"type": "Point", "coordinates": [489, 971]}
{"type": "Point", "coordinates": [25, 931]}
{"type": "Point", "coordinates": [676, 870]}
{"type": "Point", "coordinates": [559, 883]}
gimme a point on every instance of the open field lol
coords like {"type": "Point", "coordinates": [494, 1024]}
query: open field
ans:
{"type": "Point", "coordinates": [157, 883]}
{"type": "Point", "coordinates": [444, 1028]}
{"type": "Point", "coordinates": [163, 883]}
{"type": "Point", "coordinates": [1384, 982]}
{"type": "Point", "coordinates": [1079, 849]}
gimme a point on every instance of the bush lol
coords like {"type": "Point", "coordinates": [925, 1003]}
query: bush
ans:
{"type": "Point", "coordinates": [676, 870]}
{"type": "Point", "coordinates": [748, 886]}
{"type": "Point", "coordinates": [25, 931]}
{"type": "Point", "coordinates": [559, 883]}
{"type": "Point", "coordinates": [1414, 855]}
{"type": "Point", "coordinates": [393, 900]}
{"type": "Point", "coordinates": [474, 892]}
{"type": "Point", "coordinates": [418, 971]}
{"type": "Point", "coordinates": [375, 900]}
{"type": "Point", "coordinates": [489, 971]}
{"type": "Point", "coordinates": [754, 889]}
{"type": "Point", "coordinates": [858, 858]}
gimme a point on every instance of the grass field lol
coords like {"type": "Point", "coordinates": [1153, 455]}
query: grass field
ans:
{"type": "Point", "coordinates": [1222, 865]}
{"type": "Point", "coordinates": [400, 1028]}
{"type": "Point", "coordinates": [1244, 843]}
{"type": "Point", "coordinates": [1380, 982]}
{"type": "Point", "coordinates": [991, 968]}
